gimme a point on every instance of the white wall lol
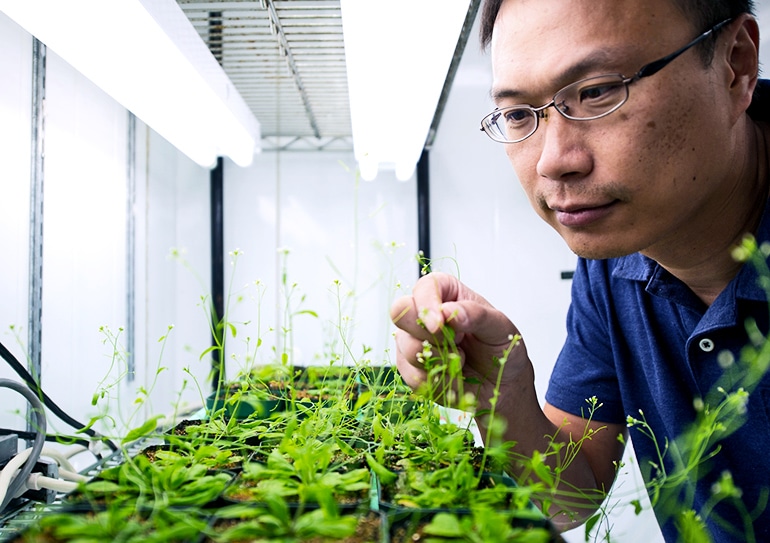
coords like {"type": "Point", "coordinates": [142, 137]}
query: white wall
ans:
{"type": "Point", "coordinates": [336, 228]}
{"type": "Point", "coordinates": [15, 129]}
{"type": "Point", "coordinates": [85, 252]}
{"type": "Point", "coordinates": [84, 245]}
{"type": "Point", "coordinates": [309, 214]}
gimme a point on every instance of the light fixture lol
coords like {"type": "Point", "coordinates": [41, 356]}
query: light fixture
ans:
{"type": "Point", "coordinates": [398, 53]}
{"type": "Point", "coordinates": [147, 56]}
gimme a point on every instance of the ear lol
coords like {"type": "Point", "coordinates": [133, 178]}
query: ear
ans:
{"type": "Point", "coordinates": [741, 55]}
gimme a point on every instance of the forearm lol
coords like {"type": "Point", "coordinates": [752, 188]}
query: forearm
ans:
{"type": "Point", "coordinates": [548, 456]}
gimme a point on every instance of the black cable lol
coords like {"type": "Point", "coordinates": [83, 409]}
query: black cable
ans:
{"type": "Point", "coordinates": [53, 438]}
{"type": "Point", "coordinates": [37, 445]}
{"type": "Point", "coordinates": [22, 372]}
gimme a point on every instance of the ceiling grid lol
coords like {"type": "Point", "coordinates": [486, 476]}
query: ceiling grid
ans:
{"type": "Point", "coordinates": [287, 60]}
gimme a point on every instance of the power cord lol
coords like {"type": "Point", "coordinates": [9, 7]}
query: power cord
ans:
{"type": "Point", "coordinates": [27, 473]}
{"type": "Point", "coordinates": [66, 479]}
{"type": "Point", "coordinates": [8, 491]}
{"type": "Point", "coordinates": [55, 409]}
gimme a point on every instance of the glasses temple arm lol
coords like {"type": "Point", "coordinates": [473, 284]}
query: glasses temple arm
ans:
{"type": "Point", "coordinates": [657, 65]}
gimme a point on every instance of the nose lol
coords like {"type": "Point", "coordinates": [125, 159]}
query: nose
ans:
{"type": "Point", "coordinates": [565, 152]}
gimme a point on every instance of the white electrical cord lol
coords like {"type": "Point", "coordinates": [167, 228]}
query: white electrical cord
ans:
{"type": "Point", "coordinates": [68, 475]}
{"type": "Point", "coordinates": [75, 449]}
{"type": "Point", "coordinates": [9, 471]}
{"type": "Point", "coordinates": [38, 481]}
{"type": "Point", "coordinates": [59, 457]}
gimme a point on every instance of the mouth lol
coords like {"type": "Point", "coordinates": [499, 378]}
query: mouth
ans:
{"type": "Point", "coordinates": [580, 216]}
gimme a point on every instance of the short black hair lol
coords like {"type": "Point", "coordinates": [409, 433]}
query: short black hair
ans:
{"type": "Point", "coordinates": [704, 14]}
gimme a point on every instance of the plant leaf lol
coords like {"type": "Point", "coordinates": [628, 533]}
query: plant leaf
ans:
{"type": "Point", "coordinates": [384, 474]}
{"type": "Point", "coordinates": [149, 426]}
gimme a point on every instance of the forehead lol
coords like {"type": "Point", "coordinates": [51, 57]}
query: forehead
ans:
{"type": "Point", "coordinates": [537, 44]}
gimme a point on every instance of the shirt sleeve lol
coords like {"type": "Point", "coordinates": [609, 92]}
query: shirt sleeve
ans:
{"type": "Point", "coordinates": [585, 367]}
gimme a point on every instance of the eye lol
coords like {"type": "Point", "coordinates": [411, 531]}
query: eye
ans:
{"type": "Point", "coordinates": [517, 115]}
{"type": "Point", "coordinates": [600, 93]}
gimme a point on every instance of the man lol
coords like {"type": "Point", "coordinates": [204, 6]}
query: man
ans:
{"type": "Point", "coordinates": [631, 127]}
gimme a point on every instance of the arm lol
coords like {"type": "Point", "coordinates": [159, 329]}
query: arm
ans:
{"type": "Point", "coordinates": [482, 334]}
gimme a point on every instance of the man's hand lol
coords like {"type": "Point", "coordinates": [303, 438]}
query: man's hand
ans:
{"type": "Point", "coordinates": [482, 334]}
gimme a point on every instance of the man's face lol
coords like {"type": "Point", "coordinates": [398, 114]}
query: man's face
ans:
{"type": "Point", "coordinates": [646, 177]}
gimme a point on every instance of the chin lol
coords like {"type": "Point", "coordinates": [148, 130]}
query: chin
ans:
{"type": "Point", "coordinates": [599, 251]}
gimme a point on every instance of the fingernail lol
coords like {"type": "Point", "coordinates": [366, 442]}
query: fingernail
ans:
{"type": "Point", "coordinates": [430, 321]}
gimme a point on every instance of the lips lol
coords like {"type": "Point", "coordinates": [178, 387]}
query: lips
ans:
{"type": "Point", "coordinates": [580, 216]}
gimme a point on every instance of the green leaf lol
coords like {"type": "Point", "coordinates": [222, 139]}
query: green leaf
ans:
{"type": "Point", "coordinates": [590, 523]}
{"type": "Point", "coordinates": [362, 400]}
{"type": "Point", "coordinates": [445, 525]}
{"type": "Point", "coordinates": [207, 351]}
{"type": "Point", "coordinates": [384, 474]}
{"type": "Point", "coordinates": [148, 427]}
{"type": "Point", "coordinates": [318, 523]}
{"type": "Point", "coordinates": [541, 469]}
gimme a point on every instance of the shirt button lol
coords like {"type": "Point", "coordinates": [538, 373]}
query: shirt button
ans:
{"type": "Point", "coordinates": [706, 345]}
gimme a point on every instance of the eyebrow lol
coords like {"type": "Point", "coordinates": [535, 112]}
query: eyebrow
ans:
{"type": "Point", "coordinates": [599, 59]}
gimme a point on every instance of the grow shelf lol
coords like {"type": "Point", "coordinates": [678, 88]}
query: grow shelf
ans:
{"type": "Point", "coordinates": [319, 417]}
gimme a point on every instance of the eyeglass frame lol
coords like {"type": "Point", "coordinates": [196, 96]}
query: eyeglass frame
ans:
{"type": "Point", "coordinates": [651, 68]}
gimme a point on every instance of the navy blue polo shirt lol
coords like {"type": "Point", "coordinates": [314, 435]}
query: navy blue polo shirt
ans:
{"type": "Point", "coordinates": [639, 339]}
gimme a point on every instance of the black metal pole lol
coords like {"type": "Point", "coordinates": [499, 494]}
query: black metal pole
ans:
{"type": "Point", "coordinates": [423, 209]}
{"type": "Point", "coordinates": [217, 233]}
{"type": "Point", "coordinates": [217, 273]}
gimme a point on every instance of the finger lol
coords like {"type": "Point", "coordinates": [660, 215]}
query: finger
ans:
{"type": "Point", "coordinates": [429, 293]}
{"type": "Point", "coordinates": [408, 347]}
{"type": "Point", "coordinates": [411, 375]}
{"type": "Point", "coordinates": [404, 315]}
{"type": "Point", "coordinates": [485, 323]}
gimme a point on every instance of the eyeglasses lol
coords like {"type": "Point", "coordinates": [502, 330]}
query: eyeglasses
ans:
{"type": "Point", "coordinates": [584, 100]}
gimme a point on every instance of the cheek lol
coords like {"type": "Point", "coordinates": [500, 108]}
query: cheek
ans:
{"type": "Point", "coordinates": [668, 141]}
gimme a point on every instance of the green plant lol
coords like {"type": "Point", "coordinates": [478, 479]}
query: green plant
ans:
{"type": "Point", "coordinates": [140, 484]}
{"type": "Point", "coordinates": [455, 486]}
{"type": "Point", "coordinates": [481, 525]}
{"type": "Point", "coordinates": [304, 473]}
{"type": "Point", "coordinates": [275, 522]}
{"type": "Point", "coordinates": [211, 456]}
{"type": "Point", "coordinates": [312, 459]}
{"type": "Point", "coordinates": [117, 523]}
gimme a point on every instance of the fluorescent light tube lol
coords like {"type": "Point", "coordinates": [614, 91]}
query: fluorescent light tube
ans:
{"type": "Point", "coordinates": [398, 53]}
{"type": "Point", "coordinates": [147, 56]}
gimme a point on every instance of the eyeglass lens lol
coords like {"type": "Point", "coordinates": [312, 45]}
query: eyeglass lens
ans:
{"type": "Point", "coordinates": [586, 99]}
